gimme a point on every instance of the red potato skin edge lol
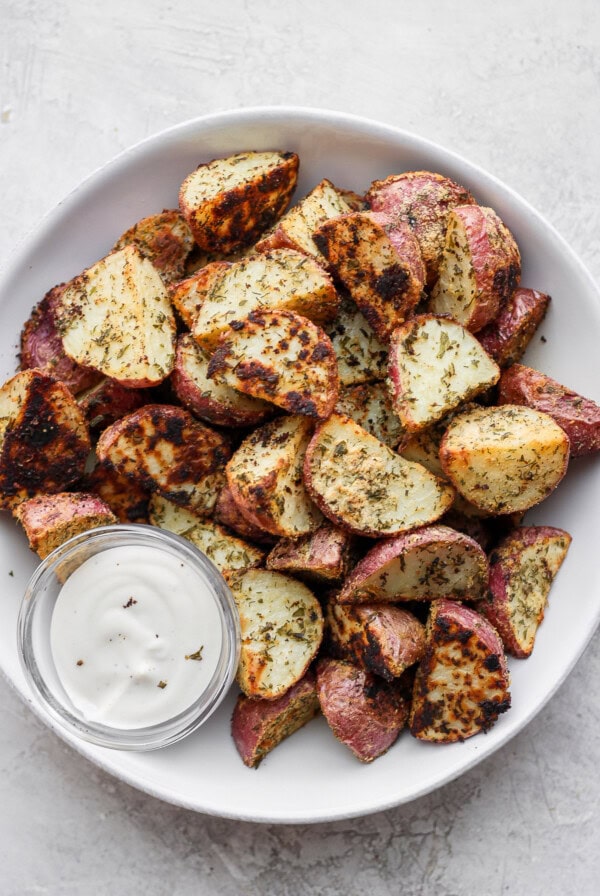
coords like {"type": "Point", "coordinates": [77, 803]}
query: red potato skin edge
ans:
{"type": "Point", "coordinates": [506, 338]}
{"type": "Point", "coordinates": [230, 514]}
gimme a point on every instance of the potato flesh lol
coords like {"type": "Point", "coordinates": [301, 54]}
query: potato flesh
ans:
{"type": "Point", "coordinates": [222, 175]}
{"type": "Point", "coordinates": [49, 520]}
{"type": "Point", "coordinates": [361, 357]}
{"type": "Point", "coordinates": [455, 292]}
{"type": "Point", "coordinates": [370, 406]}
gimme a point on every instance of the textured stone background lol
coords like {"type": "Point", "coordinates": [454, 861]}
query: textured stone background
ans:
{"type": "Point", "coordinates": [514, 86]}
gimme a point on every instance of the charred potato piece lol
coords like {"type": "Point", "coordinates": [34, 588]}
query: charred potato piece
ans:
{"type": "Point", "coordinates": [386, 640]}
{"type": "Point", "coordinates": [187, 295]}
{"type": "Point", "coordinates": [213, 402]}
{"type": "Point", "coordinates": [462, 682]}
{"type": "Point", "coordinates": [265, 478]}
{"type": "Point", "coordinates": [425, 564]}
{"type": "Point", "coordinates": [117, 318]}
{"type": "Point", "coordinates": [296, 228]}
{"type": "Point", "coordinates": [379, 262]}
{"type": "Point", "coordinates": [281, 628]}
{"type": "Point", "coordinates": [423, 200]}
{"type": "Point", "coordinates": [370, 405]}
{"type": "Point", "coordinates": [164, 449]}
{"type": "Point", "coordinates": [281, 280]}
{"type": "Point", "coordinates": [435, 365]}
{"type": "Point", "coordinates": [258, 726]}
{"type": "Point", "coordinates": [229, 514]}
{"type": "Point", "coordinates": [44, 439]}
{"type": "Point", "coordinates": [127, 499]}
{"type": "Point", "coordinates": [579, 417]}
{"type": "Point", "coordinates": [281, 357]}
{"type": "Point", "coordinates": [165, 239]}
{"type": "Point", "coordinates": [364, 487]}
{"type": "Point", "coordinates": [504, 459]}
{"type": "Point", "coordinates": [228, 203]}
{"type": "Point", "coordinates": [49, 520]}
{"type": "Point", "coordinates": [108, 401]}
{"type": "Point", "coordinates": [361, 356]}
{"type": "Point", "coordinates": [523, 567]}
{"type": "Point", "coordinates": [42, 348]}
{"type": "Point", "coordinates": [479, 270]}
{"type": "Point", "coordinates": [365, 713]}
{"type": "Point", "coordinates": [508, 335]}
{"type": "Point", "coordinates": [322, 556]}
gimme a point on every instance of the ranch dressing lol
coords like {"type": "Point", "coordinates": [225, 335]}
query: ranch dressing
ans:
{"type": "Point", "coordinates": [135, 636]}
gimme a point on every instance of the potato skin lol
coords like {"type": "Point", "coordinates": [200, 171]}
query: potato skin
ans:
{"type": "Point", "coordinates": [579, 417]}
{"type": "Point", "coordinates": [108, 401]}
{"type": "Point", "coordinates": [365, 713]}
{"type": "Point", "coordinates": [49, 520]}
{"type": "Point", "coordinates": [321, 556]}
{"type": "Point", "coordinates": [258, 726]}
{"type": "Point", "coordinates": [508, 335]}
{"type": "Point", "coordinates": [230, 514]}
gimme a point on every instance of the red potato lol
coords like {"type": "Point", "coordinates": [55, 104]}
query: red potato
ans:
{"type": "Point", "coordinates": [229, 514]}
{"type": "Point", "coordinates": [424, 564]}
{"type": "Point", "coordinates": [49, 520]}
{"type": "Point", "coordinates": [42, 348]}
{"type": "Point", "coordinates": [370, 405]}
{"type": "Point", "coordinates": [44, 439]}
{"type": "Point", "coordinates": [165, 239]}
{"type": "Point", "coordinates": [108, 401]}
{"type": "Point", "coordinates": [365, 713]}
{"type": "Point", "coordinates": [423, 200]}
{"type": "Point", "coordinates": [380, 264]}
{"type": "Point", "coordinates": [435, 365]}
{"type": "Point", "coordinates": [523, 567]}
{"type": "Point", "coordinates": [187, 295]}
{"type": "Point", "coordinates": [508, 335]}
{"type": "Point", "coordinates": [579, 417]}
{"type": "Point", "coordinates": [479, 270]}
{"type": "Point", "coordinates": [360, 355]}
{"type": "Point", "coordinates": [281, 357]}
{"type": "Point", "coordinates": [213, 402]}
{"type": "Point", "coordinates": [258, 726]}
{"type": "Point", "coordinates": [386, 640]}
{"type": "Point", "coordinates": [462, 682]}
{"type": "Point", "coordinates": [228, 203]}
{"type": "Point", "coordinates": [323, 556]}
{"type": "Point", "coordinates": [127, 500]}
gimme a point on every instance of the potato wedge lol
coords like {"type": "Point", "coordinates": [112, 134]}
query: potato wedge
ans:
{"type": "Point", "coordinates": [265, 478]}
{"type": "Point", "coordinates": [523, 567]}
{"type": "Point", "coordinates": [435, 365]}
{"type": "Point", "coordinates": [423, 200]}
{"type": "Point", "coordinates": [107, 401]}
{"type": "Point", "coordinates": [386, 640]}
{"type": "Point", "coordinates": [229, 514]}
{"type": "Point", "coordinates": [579, 417]}
{"type": "Point", "coordinates": [462, 682]}
{"type": "Point", "coordinates": [226, 552]}
{"type": "Point", "coordinates": [282, 629]}
{"type": "Point", "coordinates": [380, 264]}
{"type": "Point", "coordinates": [504, 459]}
{"type": "Point", "coordinates": [479, 270]}
{"type": "Point", "coordinates": [258, 726]}
{"type": "Point", "coordinates": [296, 228]}
{"type": "Point", "coordinates": [128, 500]}
{"type": "Point", "coordinates": [187, 295]}
{"type": "Point", "coordinates": [212, 402]}
{"type": "Point", "coordinates": [228, 203]}
{"type": "Point", "coordinates": [508, 335]}
{"type": "Point", "coordinates": [365, 713]}
{"type": "Point", "coordinates": [323, 556]}
{"type": "Point", "coordinates": [44, 439]}
{"type": "Point", "coordinates": [281, 280]}
{"type": "Point", "coordinates": [49, 520]}
{"type": "Point", "coordinates": [42, 348]}
{"type": "Point", "coordinates": [425, 564]}
{"type": "Point", "coordinates": [165, 450]}
{"type": "Point", "coordinates": [165, 239]}
{"type": "Point", "coordinates": [370, 405]}
{"type": "Point", "coordinates": [117, 318]}
{"type": "Point", "coordinates": [364, 487]}
{"type": "Point", "coordinates": [361, 356]}
{"type": "Point", "coordinates": [281, 357]}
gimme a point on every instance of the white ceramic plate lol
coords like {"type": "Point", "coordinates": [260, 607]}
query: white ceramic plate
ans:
{"type": "Point", "coordinates": [312, 777]}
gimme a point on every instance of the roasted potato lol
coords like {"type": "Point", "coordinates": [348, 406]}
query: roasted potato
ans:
{"type": "Point", "coordinates": [479, 270]}
{"type": "Point", "coordinates": [504, 459]}
{"type": "Point", "coordinates": [360, 355]}
{"type": "Point", "coordinates": [258, 726]}
{"type": "Point", "coordinates": [128, 500]}
{"type": "Point", "coordinates": [365, 713]}
{"type": "Point", "coordinates": [370, 405]}
{"type": "Point", "coordinates": [107, 401]}
{"type": "Point", "coordinates": [508, 335]}
{"type": "Point", "coordinates": [462, 682]}
{"type": "Point", "coordinates": [323, 556]}
{"type": "Point", "coordinates": [522, 568]}
{"type": "Point", "coordinates": [187, 295]}
{"type": "Point", "coordinates": [228, 203]}
{"type": "Point", "coordinates": [229, 514]}
{"type": "Point", "coordinates": [165, 239]}
{"type": "Point", "coordinates": [424, 564]}
{"type": "Point", "coordinates": [579, 417]}
{"type": "Point", "coordinates": [49, 520]}
{"type": "Point", "coordinates": [281, 628]}
{"type": "Point", "coordinates": [117, 318]}
{"type": "Point", "coordinates": [44, 439]}
{"type": "Point", "coordinates": [364, 487]}
{"type": "Point", "coordinates": [281, 357]}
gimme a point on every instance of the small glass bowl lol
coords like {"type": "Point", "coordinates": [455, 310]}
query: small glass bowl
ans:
{"type": "Point", "coordinates": [35, 649]}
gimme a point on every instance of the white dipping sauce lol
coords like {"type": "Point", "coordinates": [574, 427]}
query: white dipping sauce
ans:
{"type": "Point", "coordinates": [135, 636]}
